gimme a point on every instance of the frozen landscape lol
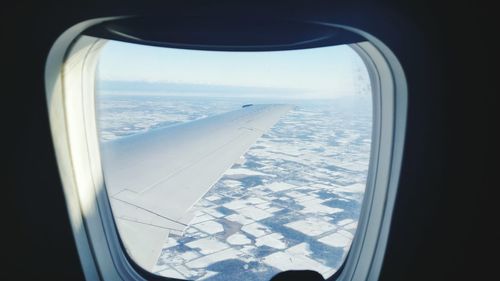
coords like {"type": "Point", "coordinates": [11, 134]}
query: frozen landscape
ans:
{"type": "Point", "coordinates": [291, 202]}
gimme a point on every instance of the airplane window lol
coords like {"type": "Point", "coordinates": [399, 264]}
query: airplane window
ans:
{"type": "Point", "coordinates": [234, 165]}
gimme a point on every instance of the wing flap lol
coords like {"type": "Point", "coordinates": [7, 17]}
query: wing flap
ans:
{"type": "Point", "coordinates": [142, 242]}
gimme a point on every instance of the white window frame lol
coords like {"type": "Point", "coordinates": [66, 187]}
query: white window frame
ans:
{"type": "Point", "coordinates": [69, 81]}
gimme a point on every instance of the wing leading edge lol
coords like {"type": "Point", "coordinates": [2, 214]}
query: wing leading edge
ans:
{"type": "Point", "coordinates": [154, 179]}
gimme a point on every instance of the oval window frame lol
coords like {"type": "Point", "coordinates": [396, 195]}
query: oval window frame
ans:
{"type": "Point", "coordinates": [69, 83]}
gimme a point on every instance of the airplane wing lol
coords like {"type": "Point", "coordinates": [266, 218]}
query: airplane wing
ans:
{"type": "Point", "coordinates": [154, 179]}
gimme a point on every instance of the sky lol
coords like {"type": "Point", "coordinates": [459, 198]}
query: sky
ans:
{"type": "Point", "coordinates": [325, 72]}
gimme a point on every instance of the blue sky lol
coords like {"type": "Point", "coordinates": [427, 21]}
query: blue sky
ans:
{"type": "Point", "coordinates": [326, 72]}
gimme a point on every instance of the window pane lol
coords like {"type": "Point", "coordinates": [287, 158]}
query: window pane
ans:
{"type": "Point", "coordinates": [290, 201]}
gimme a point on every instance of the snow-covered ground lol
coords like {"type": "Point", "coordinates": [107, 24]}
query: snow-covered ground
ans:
{"type": "Point", "coordinates": [292, 202]}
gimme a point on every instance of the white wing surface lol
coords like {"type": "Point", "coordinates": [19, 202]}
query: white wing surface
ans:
{"type": "Point", "coordinates": [153, 179]}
